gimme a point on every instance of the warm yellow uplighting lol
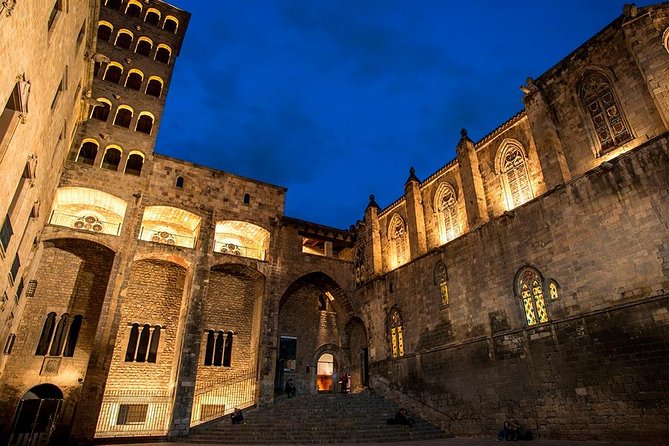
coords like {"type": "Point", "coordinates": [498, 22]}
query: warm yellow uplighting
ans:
{"type": "Point", "coordinates": [241, 238]}
{"type": "Point", "coordinates": [170, 226]}
{"type": "Point", "coordinates": [88, 210]}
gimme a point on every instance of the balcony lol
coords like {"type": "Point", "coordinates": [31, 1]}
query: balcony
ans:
{"type": "Point", "coordinates": [89, 223]}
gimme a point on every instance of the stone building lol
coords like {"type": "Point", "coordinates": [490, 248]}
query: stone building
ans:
{"type": "Point", "coordinates": [144, 295]}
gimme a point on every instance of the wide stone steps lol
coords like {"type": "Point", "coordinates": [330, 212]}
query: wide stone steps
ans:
{"type": "Point", "coordinates": [315, 419]}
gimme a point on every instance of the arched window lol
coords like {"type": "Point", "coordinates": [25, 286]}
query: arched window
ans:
{"type": "Point", "coordinates": [143, 345]}
{"type": "Point", "coordinates": [171, 24]}
{"type": "Point", "coordinates": [441, 281]}
{"type": "Point", "coordinates": [47, 334]}
{"type": "Point", "coordinates": [153, 346]}
{"type": "Point", "coordinates": [134, 80]}
{"type": "Point", "coordinates": [144, 46]}
{"type": "Point", "coordinates": [605, 112]}
{"type": "Point", "coordinates": [133, 166]}
{"type": "Point", "coordinates": [322, 303]}
{"type": "Point", "coordinates": [87, 152]}
{"type": "Point", "coordinates": [123, 116]}
{"type": "Point", "coordinates": [124, 39]}
{"type": "Point", "coordinates": [112, 158]}
{"type": "Point", "coordinates": [154, 86]}
{"type": "Point", "coordinates": [134, 9]}
{"type": "Point", "coordinates": [398, 241]}
{"type": "Point", "coordinates": [59, 337]}
{"type": "Point", "coordinates": [132, 343]}
{"type": "Point", "coordinates": [247, 198]}
{"type": "Point", "coordinates": [105, 30]}
{"type": "Point", "coordinates": [515, 177]}
{"type": "Point", "coordinates": [209, 352]}
{"type": "Point", "coordinates": [152, 16]}
{"type": "Point", "coordinates": [163, 53]}
{"type": "Point", "coordinates": [180, 182]}
{"type": "Point", "coordinates": [113, 72]}
{"type": "Point", "coordinates": [396, 333]}
{"type": "Point", "coordinates": [113, 4]}
{"type": "Point", "coordinates": [227, 353]}
{"type": "Point", "coordinates": [529, 287]}
{"type": "Point", "coordinates": [218, 349]}
{"type": "Point", "coordinates": [144, 123]}
{"type": "Point", "coordinates": [73, 336]}
{"type": "Point", "coordinates": [101, 111]}
{"type": "Point", "coordinates": [446, 205]}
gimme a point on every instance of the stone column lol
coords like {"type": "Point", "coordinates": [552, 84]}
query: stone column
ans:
{"type": "Point", "coordinates": [192, 334]}
{"type": "Point", "coordinates": [374, 235]}
{"type": "Point", "coordinates": [415, 216]}
{"type": "Point", "coordinates": [549, 147]}
{"type": "Point", "coordinates": [472, 183]}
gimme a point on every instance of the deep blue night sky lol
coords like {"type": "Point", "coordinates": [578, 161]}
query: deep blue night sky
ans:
{"type": "Point", "coordinates": [337, 99]}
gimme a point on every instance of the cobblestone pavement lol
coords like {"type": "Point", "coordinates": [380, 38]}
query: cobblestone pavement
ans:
{"type": "Point", "coordinates": [451, 442]}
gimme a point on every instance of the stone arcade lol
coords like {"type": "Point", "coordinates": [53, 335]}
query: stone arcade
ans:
{"type": "Point", "coordinates": [144, 295]}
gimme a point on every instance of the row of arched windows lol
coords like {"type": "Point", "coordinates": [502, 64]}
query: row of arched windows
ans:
{"type": "Point", "coordinates": [531, 290]}
{"type": "Point", "coordinates": [124, 39]}
{"type": "Point", "coordinates": [123, 116]}
{"type": "Point", "coordinates": [134, 80]}
{"type": "Point", "coordinates": [143, 343]}
{"type": "Point", "coordinates": [111, 160]}
{"type": "Point", "coordinates": [218, 351]}
{"type": "Point", "coordinates": [59, 339]}
{"type": "Point", "coordinates": [152, 16]}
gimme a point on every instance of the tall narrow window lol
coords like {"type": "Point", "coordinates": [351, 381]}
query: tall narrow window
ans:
{"type": "Point", "coordinates": [398, 240]}
{"type": "Point", "coordinates": [218, 349]}
{"type": "Point", "coordinates": [9, 345]}
{"type": "Point", "coordinates": [180, 182]}
{"type": "Point", "coordinates": [155, 342]}
{"type": "Point", "coordinates": [396, 333]}
{"type": "Point", "coordinates": [441, 281]}
{"type": "Point", "coordinates": [47, 334]}
{"type": "Point", "coordinates": [529, 287]}
{"type": "Point", "coordinates": [11, 115]}
{"type": "Point", "coordinates": [446, 205]}
{"type": "Point", "coordinates": [227, 353]}
{"type": "Point", "coordinates": [209, 352]}
{"type": "Point", "coordinates": [72, 336]}
{"type": "Point", "coordinates": [111, 159]}
{"type": "Point", "coordinates": [6, 234]}
{"type": "Point", "coordinates": [132, 343]}
{"type": "Point", "coordinates": [55, 11]}
{"type": "Point", "coordinates": [516, 179]}
{"type": "Point", "coordinates": [14, 269]}
{"type": "Point", "coordinates": [607, 117]}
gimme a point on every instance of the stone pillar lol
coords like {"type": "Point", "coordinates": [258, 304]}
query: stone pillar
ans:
{"type": "Point", "coordinates": [643, 33]}
{"type": "Point", "coordinates": [328, 249]}
{"type": "Point", "coordinates": [549, 147]}
{"type": "Point", "coordinates": [374, 234]}
{"type": "Point", "coordinates": [472, 183]}
{"type": "Point", "coordinates": [415, 216]}
{"type": "Point", "coordinates": [192, 335]}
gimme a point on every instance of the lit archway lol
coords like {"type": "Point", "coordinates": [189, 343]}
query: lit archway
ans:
{"type": "Point", "coordinates": [242, 239]}
{"type": "Point", "coordinates": [89, 210]}
{"type": "Point", "coordinates": [170, 226]}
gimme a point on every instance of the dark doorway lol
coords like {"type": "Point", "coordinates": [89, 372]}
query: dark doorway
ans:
{"type": "Point", "coordinates": [364, 369]}
{"type": "Point", "coordinates": [36, 416]}
{"type": "Point", "coordinates": [286, 361]}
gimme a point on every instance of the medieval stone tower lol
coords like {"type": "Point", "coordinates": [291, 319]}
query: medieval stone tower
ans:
{"type": "Point", "coordinates": [144, 295]}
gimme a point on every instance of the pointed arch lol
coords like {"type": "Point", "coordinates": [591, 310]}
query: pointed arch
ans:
{"type": "Point", "coordinates": [511, 164]}
{"type": "Point", "coordinates": [399, 241]}
{"type": "Point", "coordinates": [396, 332]}
{"type": "Point", "coordinates": [441, 281]}
{"type": "Point", "coordinates": [529, 288]}
{"type": "Point", "coordinates": [448, 215]}
{"type": "Point", "coordinates": [603, 108]}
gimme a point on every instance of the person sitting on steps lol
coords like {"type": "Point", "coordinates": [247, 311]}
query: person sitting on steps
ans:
{"type": "Point", "coordinates": [402, 417]}
{"type": "Point", "coordinates": [290, 389]}
{"type": "Point", "coordinates": [237, 416]}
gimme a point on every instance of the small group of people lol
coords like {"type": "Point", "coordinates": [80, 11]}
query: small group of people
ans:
{"type": "Point", "coordinates": [511, 431]}
{"type": "Point", "coordinates": [402, 418]}
{"type": "Point", "coordinates": [345, 383]}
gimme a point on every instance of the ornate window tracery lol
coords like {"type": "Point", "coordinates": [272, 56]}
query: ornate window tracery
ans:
{"type": "Point", "coordinates": [399, 240]}
{"type": "Point", "coordinates": [446, 205]}
{"type": "Point", "coordinates": [516, 178]}
{"type": "Point", "coordinates": [604, 110]}
{"type": "Point", "coordinates": [532, 291]}
{"type": "Point", "coordinates": [441, 280]}
{"type": "Point", "coordinates": [396, 333]}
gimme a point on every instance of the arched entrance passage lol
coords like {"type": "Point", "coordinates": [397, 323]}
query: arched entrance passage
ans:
{"type": "Point", "coordinates": [355, 345]}
{"type": "Point", "coordinates": [325, 371]}
{"type": "Point", "coordinates": [36, 415]}
{"type": "Point", "coordinates": [312, 314]}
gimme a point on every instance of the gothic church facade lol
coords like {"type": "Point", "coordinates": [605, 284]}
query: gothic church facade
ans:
{"type": "Point", "coordinates": [145, 295]}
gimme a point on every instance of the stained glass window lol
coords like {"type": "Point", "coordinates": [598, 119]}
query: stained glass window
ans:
{"type": "Point", "coordinates": [448, 216]}
{"type": "Point", "coordinates": [396, 333]}
{"type": "Point", "coordinates": [516, 176]}
{"type": "Point", "coordinates": [399, 240]}
{"type": "Point", "coordinates": [553, 290]}
{"type": "Point", "coordinates": [441, 280]}
{"type": "Point", "coordinates": [602, 106]}
{"type": "Point", "coordinates": [530, 288]}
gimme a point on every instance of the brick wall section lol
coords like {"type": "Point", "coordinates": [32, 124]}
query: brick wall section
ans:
{"type": "Point", "coordinates": [605, 349]}
{"type": "Point", "coordinates": [71, 278]}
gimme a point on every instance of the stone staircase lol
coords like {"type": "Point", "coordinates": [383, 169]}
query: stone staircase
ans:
{"type": "Point", "coordinates": [312, 419]}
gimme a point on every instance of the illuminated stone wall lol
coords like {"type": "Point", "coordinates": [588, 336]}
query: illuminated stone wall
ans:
{"type": "Point", "coordinates": [603, 352]}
